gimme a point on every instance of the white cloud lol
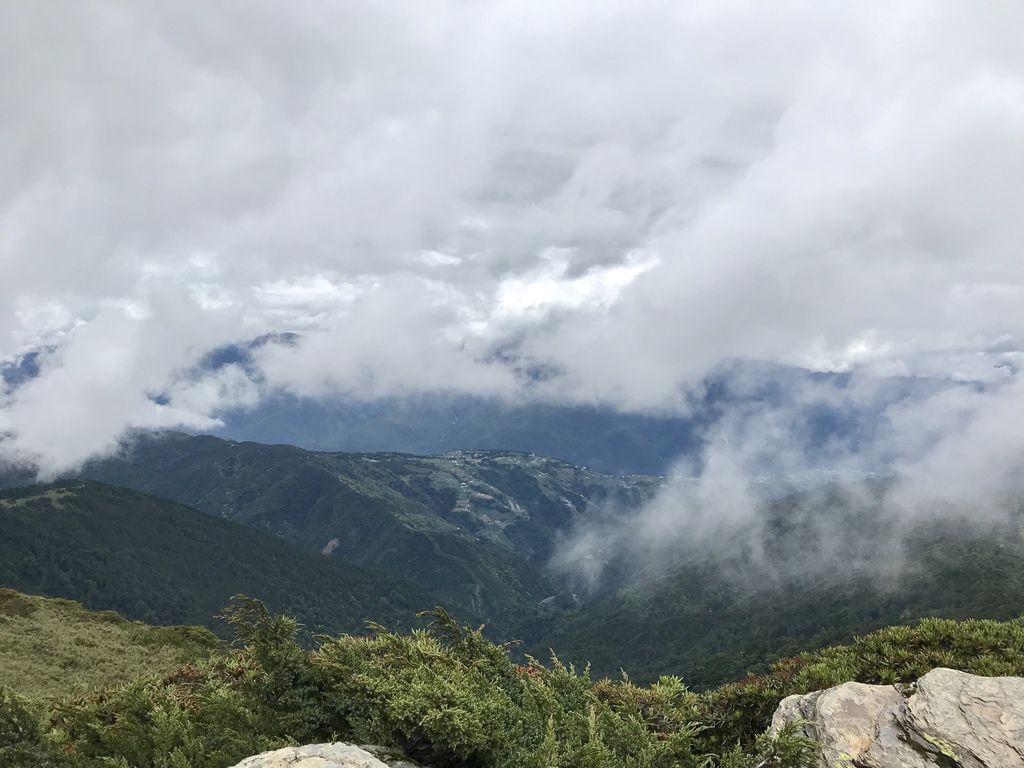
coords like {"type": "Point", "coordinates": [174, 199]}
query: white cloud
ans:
{"type": "Point", "coordinates": [550, 286]}
{"type": "Point", "coordinates": [443, 195]}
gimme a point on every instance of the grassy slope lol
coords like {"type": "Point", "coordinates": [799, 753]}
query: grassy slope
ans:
{"type": "Point", "coordinates": [162, 562]}
{"type": "Point", "coordinates": [52, 648]}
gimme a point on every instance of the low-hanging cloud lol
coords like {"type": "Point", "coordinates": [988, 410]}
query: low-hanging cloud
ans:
{"type": "Point", "coordinates": [586, 203]}
{"type": "Point", "coordinates": [946, 456]}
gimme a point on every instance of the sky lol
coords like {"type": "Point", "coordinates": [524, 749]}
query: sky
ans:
{"type": "Point", "coordinates": [581, 202]}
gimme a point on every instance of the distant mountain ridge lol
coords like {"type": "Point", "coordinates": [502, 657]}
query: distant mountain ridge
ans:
{"type": "Point", "coordinates": [825, 409]}
{"type": "Point", "coordinates": [594, 436]}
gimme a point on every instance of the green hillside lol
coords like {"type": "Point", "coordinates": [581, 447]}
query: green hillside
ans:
{"type": "Point", "coordinates": [473, 527]}
{"type": "Point", "coordinates": [52, 648]}
{"type": "Point", "coordinates": [164, 563]}
{"type": "Point", "coordinates": [722, 613]}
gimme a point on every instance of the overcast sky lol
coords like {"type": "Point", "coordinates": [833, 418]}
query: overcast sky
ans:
{"type": "Point", "coordinates": [459, 195]}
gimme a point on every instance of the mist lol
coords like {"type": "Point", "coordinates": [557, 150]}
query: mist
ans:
{"type": "Point", "coordinates": [767, 507]}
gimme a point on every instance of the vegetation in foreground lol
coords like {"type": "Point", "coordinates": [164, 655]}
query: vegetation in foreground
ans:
{"type": "Point", "coordinates": [443, 695]}
{"type": "Point", "coordinates": [448, 697]}
{"type": "Point", "coordinates": [52, 648]}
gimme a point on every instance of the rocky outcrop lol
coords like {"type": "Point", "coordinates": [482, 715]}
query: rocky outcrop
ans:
{"type": "Point", "coordinates": [327, 756]}
{"type": "Point", "coordinates": [947, 718]}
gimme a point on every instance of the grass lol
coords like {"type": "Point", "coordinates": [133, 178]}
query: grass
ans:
{"type": "Point", "coordinates": [52, 648]}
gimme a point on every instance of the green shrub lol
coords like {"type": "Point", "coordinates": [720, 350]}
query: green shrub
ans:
{"type": "Point", "coordinates": [738, 713]}
{"type": "Point", "coordinates": [444, 694]}
{"type": "Point", "coordinates": [197, 718]}
{"type": "Point", "coordinates": [22, 742]}
{"type": "Point", "coordinates": [278, 676]}
{"type": "Point", "coordinates": [447, 696]}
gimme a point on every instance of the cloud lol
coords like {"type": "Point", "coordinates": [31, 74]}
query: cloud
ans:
{"type": "Point", "coordinates": [451, 196]}
{"type": "Point", "coordinates": [766, 502]}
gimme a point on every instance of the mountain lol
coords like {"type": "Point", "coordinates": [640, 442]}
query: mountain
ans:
{"type": "Point", "coordinates": [832, 564]}
{"type": "Point", "coordinates": [164, 563]}
{"type": "Point", "coordinates": [53, 647]}
{"type": "Point", "coordinates": [478, 528]}
{"type": "Point", "coordinates": [589, 436]}
{"type": "Point", "coordinates": [474, 528]}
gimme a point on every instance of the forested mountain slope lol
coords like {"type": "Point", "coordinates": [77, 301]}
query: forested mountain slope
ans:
{"type": "Point", "coordinates": [158, 561]}
{"type": "Point", "coordinates": [727, 610]}
{"type": "Point", "coordinates": [473, 527]}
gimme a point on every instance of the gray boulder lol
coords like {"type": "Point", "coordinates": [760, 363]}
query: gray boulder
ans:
{"type": "Point", "coordinates": [327, 756]}
{"type": "Point", "coordinates": [949, 718]}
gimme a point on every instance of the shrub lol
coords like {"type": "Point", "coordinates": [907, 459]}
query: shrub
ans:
{"type": "Point", "coordinates": [196, 718]}
{"type": "Point", "coordinates": [22, 743]}
{"type": "Point", "coordinates": [738, 713]}
{"type": "Point", "coordinates": [447, 696]}
{"type": "Point", "coordinates": [444, 695]}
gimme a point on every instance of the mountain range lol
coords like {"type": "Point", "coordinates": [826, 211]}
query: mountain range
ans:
{"type": "Point", "coordinates": [168, 530]}
{"type": "Point", "coordinates": [824, 410]}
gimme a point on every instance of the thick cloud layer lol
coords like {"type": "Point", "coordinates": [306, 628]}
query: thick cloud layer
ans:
{"type": "Point", "coordinates": [952, 457]}
{"type": "Point", "coordinates": [581, 202]}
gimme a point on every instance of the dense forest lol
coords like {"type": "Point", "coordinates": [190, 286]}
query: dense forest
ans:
{"type": "Point", "coordinates": [157, 561]}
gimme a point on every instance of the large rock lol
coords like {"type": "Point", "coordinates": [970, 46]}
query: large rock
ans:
{"type": "Point", "coordinates": [326, 756]}
{"type": "Point", "coordinates": [950, 718]}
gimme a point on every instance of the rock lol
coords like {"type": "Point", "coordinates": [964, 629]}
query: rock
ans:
{"type": "Point", "coordinates": [390, 757]}
{"type": "Point", "coordinates": [977, 721]}
{"type": "Point", "coordinates": [327, 756]}
{"type": "Point", "coordinates": [847, 721]}
{"type": "Point", "coordinates": [951, 718]}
